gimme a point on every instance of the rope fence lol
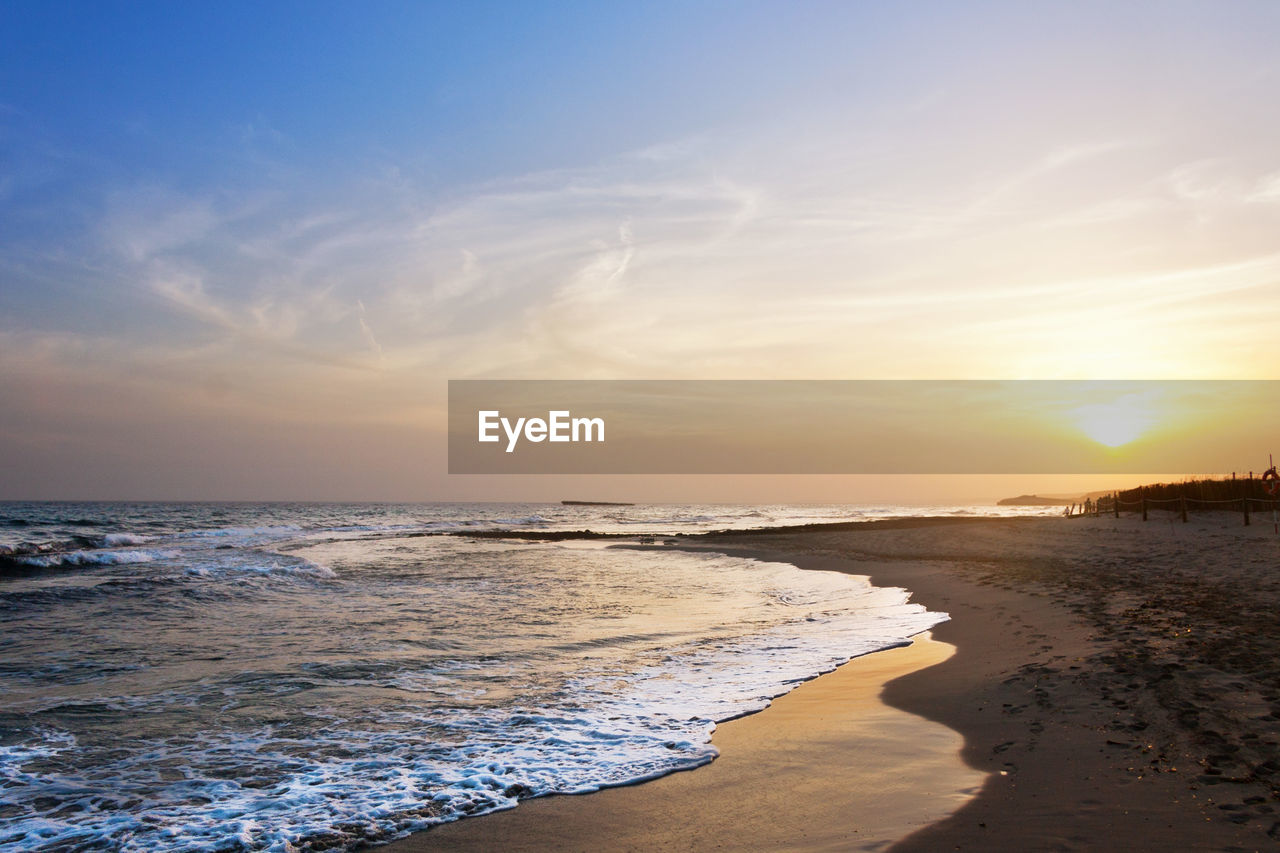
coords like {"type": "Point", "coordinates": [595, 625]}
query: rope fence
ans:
{"type": "Point", "coordinates": [1113, 505]}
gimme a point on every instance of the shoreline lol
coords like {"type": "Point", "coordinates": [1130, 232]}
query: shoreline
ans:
{"type": "Point", "coordinates": [807, 736]}
{"type": "Point", "coordinates": [1080, 750]}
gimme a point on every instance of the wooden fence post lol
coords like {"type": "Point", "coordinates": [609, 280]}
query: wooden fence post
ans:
{"type": "Point", "coordinates": [1144, 504]}
{"type": "Point", "coordinates": [1115, 503]}
{"type": "Point", "coordinates": [1244, 502]}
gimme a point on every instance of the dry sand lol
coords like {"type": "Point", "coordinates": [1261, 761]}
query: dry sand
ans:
{"type": "Point", "coordinates": [1116, 684]}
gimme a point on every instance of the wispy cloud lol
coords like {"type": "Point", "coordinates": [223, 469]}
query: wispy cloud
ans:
{"type": "Point", "coordinates": [708, 258]}
{"type": "Point", "coordinates": [369, 337]}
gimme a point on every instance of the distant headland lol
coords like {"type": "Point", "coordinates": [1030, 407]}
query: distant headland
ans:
{"type": "Point", "coordinates": [595, 503]}
{"type": "Point", "coordinates": [1033, 500]}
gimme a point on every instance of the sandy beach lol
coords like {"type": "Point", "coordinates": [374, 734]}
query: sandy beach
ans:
{"type": "Point", "coordinates": [1113, 686]}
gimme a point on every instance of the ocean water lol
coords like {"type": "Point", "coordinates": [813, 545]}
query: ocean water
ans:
{"type": "Point", "coordinates": [319, 676]}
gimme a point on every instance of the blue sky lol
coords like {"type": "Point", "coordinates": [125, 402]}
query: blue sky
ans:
{"type": "Point", "coordinates": [453, 92]}
{"type": "Point", "coordinates": [273, 231]}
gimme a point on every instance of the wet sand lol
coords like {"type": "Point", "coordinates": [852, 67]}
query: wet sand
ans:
{"type": "Point", "coordinates": [1116, 685]}
{"type": "Point", "coordinates": [783, 779]}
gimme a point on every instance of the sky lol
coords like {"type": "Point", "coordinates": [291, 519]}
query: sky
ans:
{"type": "Point", "coordinates": [244, 246]}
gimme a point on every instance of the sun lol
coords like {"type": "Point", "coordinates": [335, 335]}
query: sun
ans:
{"type": "Point", "coordinates": [1117, 422]}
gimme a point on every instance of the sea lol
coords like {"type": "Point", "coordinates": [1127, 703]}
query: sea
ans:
{"type": "Point", "coordinates": [323, 676]}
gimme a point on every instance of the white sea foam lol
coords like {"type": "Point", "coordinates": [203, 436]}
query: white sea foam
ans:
{"type": "Point", "coordinates": [257, 564]}
{"type": "Point", "coordinates": [92, 558]}
{"type": "Point", "coordinates": [115, 540]}
{"type": "Point", "coordinates": [673, 519]}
